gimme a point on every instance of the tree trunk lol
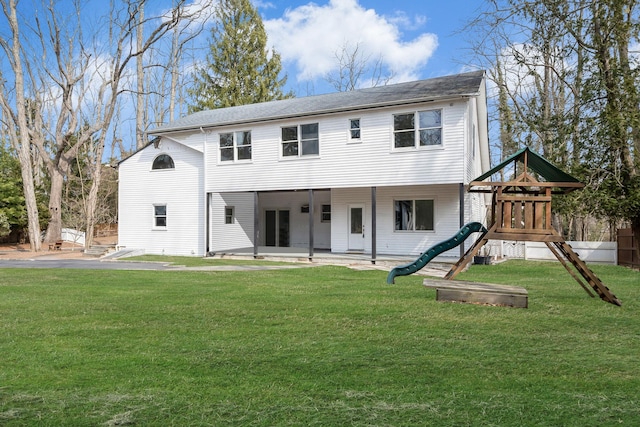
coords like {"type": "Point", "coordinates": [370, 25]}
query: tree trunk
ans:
{"type": "Point", "coordinates": [140, 98]}
{"type": "Point", "coordinates": [174, 74]}
{"type": "Point", "coordinates": [29, 191]}
{"type": "Point", "coordinates": [21, 140]}
{"type": "Point", "coordinates": [54, 230]}
{"type": "Point", "coordinates": [92, 200]}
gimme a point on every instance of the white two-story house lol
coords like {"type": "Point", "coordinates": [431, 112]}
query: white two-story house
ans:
{"type": "Point", "coordinates": [374, 171]}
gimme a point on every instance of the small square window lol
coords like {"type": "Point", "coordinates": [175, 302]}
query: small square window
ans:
{"type": "Point", "coordinates": [229, 215]}
{"type": "Point", "coordinates": [326, 213]}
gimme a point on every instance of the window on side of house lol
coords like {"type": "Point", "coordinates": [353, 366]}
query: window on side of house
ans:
{"type": "Point", "coordinates": [302, 140]}
{"type": "Point", "coordinates": [160, 216]}
{"type": "Point", "coordinates": [354, 130]}
{"type": "Point", "coordinates": [229, 215]}
{"type": "Point", "coordinates": [163, 161]}
{"type": "Point", "coordinates": [326, 213]}
{"type": "Point", "coordinates": [235, 146]}
{"type": "Point", "coordinates": [414, 215]}
{"type": "Point", "coordinates": [430, 127]}
{"type": "Point", "coordinates": [418, 129]}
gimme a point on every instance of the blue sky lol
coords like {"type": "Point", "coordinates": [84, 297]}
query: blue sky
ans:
{"type": "Point", "coordinates": [414, 39]}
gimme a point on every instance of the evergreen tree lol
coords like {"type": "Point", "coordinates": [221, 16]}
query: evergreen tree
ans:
{"type": "Point", "coordinates": [13, 214]}
{"type": "Point", "coordinates": [239, 69]}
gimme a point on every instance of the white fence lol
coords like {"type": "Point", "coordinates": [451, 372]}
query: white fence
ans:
{"type": "Point", "coordinates": [75, 236]}
{"type": "Point", "coordinates": [604, 252]}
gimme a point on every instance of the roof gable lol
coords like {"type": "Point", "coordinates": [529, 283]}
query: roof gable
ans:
{"type": "Point", "coordinates": [460, 85]}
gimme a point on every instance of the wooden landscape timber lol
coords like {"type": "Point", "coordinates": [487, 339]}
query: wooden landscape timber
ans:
{"type": "Point", "coordinates": [478, 293]}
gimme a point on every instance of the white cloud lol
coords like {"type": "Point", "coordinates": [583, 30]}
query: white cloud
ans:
{"type": "Point", "coordinates": [309, 36]}
{"type": "Point", "coordinates": [521, 63]}
{"type": "Point", "coordinates": [197, 12]}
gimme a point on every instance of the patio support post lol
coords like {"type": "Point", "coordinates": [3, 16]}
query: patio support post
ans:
{"type": "Point", "coordinates": [373, 225]}
{"type": "Point", "coordinates": [256, 223]}
{"type": "Point", "coordinates": [207, 226]}
{"type": "Point", "coordinates": [461, 195]}
{"type": "Point", "coordinates": [311, 225]}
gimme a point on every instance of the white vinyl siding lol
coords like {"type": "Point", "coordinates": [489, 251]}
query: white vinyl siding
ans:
{"type": "Point", "coordinates": [343, 165]}
{"type": "Point", "coordinates": [141, 189]}
{"type": "Point", "coordinates": [238, 234]}
{"type": "Point", "coordinates": [389, 241]}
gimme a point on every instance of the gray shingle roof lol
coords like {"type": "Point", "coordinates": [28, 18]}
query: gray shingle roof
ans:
{"type": "Point", "coordinates": [455, 86]}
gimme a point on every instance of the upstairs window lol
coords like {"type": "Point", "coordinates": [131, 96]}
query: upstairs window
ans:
{"type": "Point", "coordinates": [300, 140]}
{"type": "Point", "coordinates": [414, 215]}
{"type": "Point", "coordinates": [163, 161]}
{"type": "Point", "coordinates": [354, 130]}
{"type": "Point", "coordinates": [419, 129]}
{"type": "Point", "coordinates": [235, 146]}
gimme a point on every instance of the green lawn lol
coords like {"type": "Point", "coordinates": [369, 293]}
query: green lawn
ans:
{"type": "Point", "coordinates": [323, 346]}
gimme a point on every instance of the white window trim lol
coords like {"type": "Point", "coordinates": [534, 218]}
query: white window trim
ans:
{"type": "Point", "coordinates": [322, 213]}
{"type": "Point", "coordinates": [416, 132]}
{"type": "Point", "coordinates": [163, 169]}
{"type": "Point", "coordinates": [233, 215]}
{"type": "Point", "coordinates": [413, 200]}
{"type": "Point", "coordinates": [300, 156]}
{"type": "Point", "coordinates": [154, 216]}
{"type": "Point", "coordinates": [235, 159]}
{"type": "Point", "coordinates": [350, 139]}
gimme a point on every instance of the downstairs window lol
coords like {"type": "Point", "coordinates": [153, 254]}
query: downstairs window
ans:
{"type": "Point", "coordinates": [414, 215]}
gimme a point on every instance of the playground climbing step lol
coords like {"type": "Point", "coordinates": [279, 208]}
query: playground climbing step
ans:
{"type": "Point", "coordinates": [593, 280]}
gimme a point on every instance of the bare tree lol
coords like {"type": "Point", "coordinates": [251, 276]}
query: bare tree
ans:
{"type": "Point", "coordinates": [67, 89]}
{"type": "Point", "coordinates": [16, 117]}
{"type": "Point", "coordinates": [353, 66]}
{"type": "Point", "coordinates": [165, 75]}
{"type": "Point", "coordinates": [140, 98]}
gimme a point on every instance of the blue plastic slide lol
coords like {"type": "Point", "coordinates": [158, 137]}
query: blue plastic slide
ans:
{"type": "Point", "coordinates": [435, 250]}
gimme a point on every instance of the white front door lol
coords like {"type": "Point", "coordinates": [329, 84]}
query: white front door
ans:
{"type": "Point", "coordinates": [356, 228]}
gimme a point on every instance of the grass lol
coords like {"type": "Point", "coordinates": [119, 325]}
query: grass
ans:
{"type": "Point", "coordinates": [323, 346]}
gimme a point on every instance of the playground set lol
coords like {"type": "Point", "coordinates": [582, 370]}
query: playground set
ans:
{"type": "Point", "coordinates": [520, 211]}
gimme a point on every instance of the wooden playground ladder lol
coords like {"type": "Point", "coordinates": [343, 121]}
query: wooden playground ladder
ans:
{"type": "Point", "coordinates": [468, 256]}
{"type": "Point", "coordinates": [561, 249]}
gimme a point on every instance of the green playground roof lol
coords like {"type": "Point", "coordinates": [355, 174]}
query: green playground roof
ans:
{"type": "Point", "coordinates": [538, 164]}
